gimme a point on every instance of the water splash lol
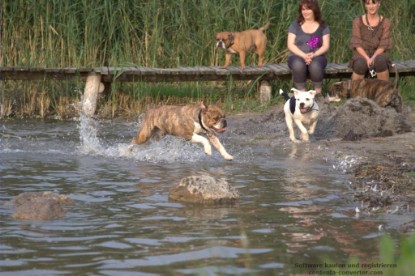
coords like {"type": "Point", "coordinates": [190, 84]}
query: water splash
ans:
{"type": "Point", "coordinates": [88, 129]}
{"type": "Point", "coordinates": [169, 149]}
{"type": "Point", "coordinates": [346, 163]}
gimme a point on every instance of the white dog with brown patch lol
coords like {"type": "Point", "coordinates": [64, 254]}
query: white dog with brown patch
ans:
{"type": "Point", "coordinates": [301, 109]}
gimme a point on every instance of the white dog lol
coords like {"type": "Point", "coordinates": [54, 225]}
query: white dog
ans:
{"type": "Point", "coordinates": [302, 109]}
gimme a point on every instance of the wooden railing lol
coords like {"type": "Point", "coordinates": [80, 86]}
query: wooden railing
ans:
{"type": "Point", "coordinates": [198, 73]}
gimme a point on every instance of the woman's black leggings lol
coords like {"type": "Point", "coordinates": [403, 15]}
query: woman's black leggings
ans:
{"type": "Point", "coordinates": [360, 65]}
{"type": "Point", "coordinates": [300, 71]}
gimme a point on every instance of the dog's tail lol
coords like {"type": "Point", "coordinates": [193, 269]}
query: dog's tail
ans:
{"type": "Point", "coordinates": [396, 76]}
{"type": "Point", "coordinates": [396, 100]}
{"type": "Point", "coordinates": [285, 95]}
{"type": "Point", "coordinates": [263, 28]}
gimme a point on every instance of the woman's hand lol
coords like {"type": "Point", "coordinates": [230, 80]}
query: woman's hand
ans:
{"type": "Point", "coordinates": [370, 61]}
{"type": "Point", "coordinates": [308, 58]}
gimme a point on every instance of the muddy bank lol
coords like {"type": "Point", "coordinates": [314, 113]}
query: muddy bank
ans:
{"type": "Point", "coordinates": [374, 146]}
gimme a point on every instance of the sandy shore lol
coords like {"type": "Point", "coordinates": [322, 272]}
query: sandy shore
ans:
{"type": "Point", "coordinates": [374, 146]}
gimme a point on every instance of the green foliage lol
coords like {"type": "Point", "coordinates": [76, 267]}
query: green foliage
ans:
{"type": "Point", "coordinates": [157, 33]}
{"type": "Point", "coordinates": [390, 261]}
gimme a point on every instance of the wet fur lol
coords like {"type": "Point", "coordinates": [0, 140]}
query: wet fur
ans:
{"type": "Point", "coordinates": [183, 121]}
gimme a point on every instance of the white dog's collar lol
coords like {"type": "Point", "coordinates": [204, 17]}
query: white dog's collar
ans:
{"type": "Point", "coordinates": [313, 108]}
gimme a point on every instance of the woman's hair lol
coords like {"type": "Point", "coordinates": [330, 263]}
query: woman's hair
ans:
{"type": "Point", "coordinates": [312, 5]}
{"type": "Point", "coordinates": [371, 1]}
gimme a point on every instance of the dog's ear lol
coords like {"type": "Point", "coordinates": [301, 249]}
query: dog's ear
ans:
{"type": "Point", "coordinates": [295, 91]}
{"type": "Point", "coordinates": [203, 105]}
{"type": "Point", "coordinates": [218, 103]}
{"type": "Point", "coordinates": [312, 92]}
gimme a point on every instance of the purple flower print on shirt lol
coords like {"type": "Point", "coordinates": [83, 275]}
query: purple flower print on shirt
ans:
{"type": "Point", "coordinates": [314, 42]}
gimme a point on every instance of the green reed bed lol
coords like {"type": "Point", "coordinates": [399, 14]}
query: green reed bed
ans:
{"type": "Point", "coordinates": [156, 33]}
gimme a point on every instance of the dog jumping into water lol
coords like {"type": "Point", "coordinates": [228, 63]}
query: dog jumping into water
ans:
{"type": "Point", "coordinates": [188, 122]}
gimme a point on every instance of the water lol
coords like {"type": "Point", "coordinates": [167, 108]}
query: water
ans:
{"type": "Point", "coordinates": [292, 210]}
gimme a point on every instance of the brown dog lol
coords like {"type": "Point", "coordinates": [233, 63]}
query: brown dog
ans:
{"type": "Point", "coordinates": [382, 92]}
{"type": "Point", "coordinates": [186, 121]}
{"type": "Point", "coordinates": [243, 42]}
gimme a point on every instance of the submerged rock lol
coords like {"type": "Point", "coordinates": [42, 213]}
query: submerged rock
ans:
{"type": "Point", "coordinates": [39, 205]}
{"type": "Point", "coordinates": [203, 189]}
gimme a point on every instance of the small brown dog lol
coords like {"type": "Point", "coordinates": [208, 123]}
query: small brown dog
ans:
{"type": "Point", "coordinates": [243, 42]}
{"type": "Point", "coordinates": [186, 121]}
{"type": "Point", "coordinates": [382, 92]}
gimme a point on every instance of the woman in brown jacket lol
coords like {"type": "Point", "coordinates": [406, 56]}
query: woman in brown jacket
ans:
{"type": "Point", "coordinates": [371, 40]}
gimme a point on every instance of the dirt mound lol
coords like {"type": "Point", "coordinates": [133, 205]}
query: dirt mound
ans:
{"type": "Point", "coordinates": [360, 118]}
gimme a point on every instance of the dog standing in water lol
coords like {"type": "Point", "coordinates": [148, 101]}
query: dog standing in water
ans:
{"type": "Point", "coordinates": [300, 109]}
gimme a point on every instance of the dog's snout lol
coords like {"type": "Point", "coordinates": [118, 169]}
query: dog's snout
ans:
{"type": "Point", "coordinates": [302, 105]}
{"type": "Point", "coordinates": [224, 123]}
{"type": "Point", "coordinates": [220, 44]}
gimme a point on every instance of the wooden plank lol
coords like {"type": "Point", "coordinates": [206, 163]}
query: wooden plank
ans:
{"type": "Point", "coordinates": [402, 67]}
{"type": "Point", "coordinates": [275, 69]}
{"type": "Point", "coordinates": [181, 73]}
{"type": "Point", "coordinates": [70, 70]}
{"type": "Point", "coordinates": [410, 63]}
{"type": "Point", "coordinates": [279, 70]}
{"type": "Point", "coordinates": [192, 71]}
{"type": "Point", "coordinates": [104, 70]}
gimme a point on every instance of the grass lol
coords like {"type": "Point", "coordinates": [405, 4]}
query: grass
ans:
{"type": "Point", "coordinates": [156, 33]}
{"type": "Point", "coordinates": [394, 259]}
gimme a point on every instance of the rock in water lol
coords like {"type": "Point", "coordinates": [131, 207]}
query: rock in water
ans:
{"type": "Point", "coordinates": [39, 206]}
{"type": "Point", "coordinates": [203, 189]}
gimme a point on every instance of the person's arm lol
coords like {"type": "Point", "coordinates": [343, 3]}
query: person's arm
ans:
{"type": "Point", "coordinates": [385, 40]}
{"type": "Point", "coordinates": [292, 47]}
{"type": "Point", "coordinates": [324, 47]}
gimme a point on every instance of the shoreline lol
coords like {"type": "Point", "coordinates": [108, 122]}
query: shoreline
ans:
{"type": "Point", "coordinates": [380, 168]}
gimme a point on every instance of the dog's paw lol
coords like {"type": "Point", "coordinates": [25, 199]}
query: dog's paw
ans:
{"type": "Point", "coordinates": [208, 151]}
{"type": "Point", "coordinates": [228, 157]}
{"type": "Point", "coordinates": [294, 140]}
{"type": "Point", "coordinates": [305, 137]}
{"type": "Point", "coordinates": [130, 147]}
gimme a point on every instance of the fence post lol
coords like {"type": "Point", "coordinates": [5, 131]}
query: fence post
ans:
{"type": "Point", "coordinates": [92, 88]}
{"type": "Point", "coordinates": [265, 90]}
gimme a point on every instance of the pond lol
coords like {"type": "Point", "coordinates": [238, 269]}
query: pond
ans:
{"type": "Point", "coordinates": [293, 211]}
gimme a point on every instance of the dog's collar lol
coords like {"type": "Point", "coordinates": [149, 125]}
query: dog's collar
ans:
{"type": "Point", "coordinates": [201, 122]}
{"type": "Point", "coordinates": [292, 106]}
{"type": "Point", "coordinates": [313, 108]}
{"type": "Point", "coordinates": [231, 41]}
